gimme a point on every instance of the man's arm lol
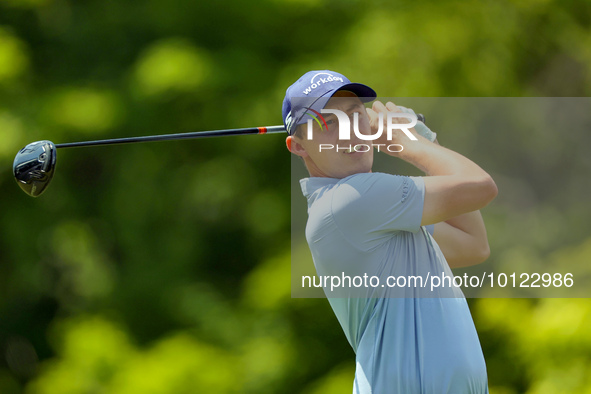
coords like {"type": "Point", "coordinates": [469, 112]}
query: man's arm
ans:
{"type": "Point", "coordinates": [455, 189]}
{"type": "Point", "coordinates": [454, 186]}
{"type": "Point", "coordinates": [463, 240]}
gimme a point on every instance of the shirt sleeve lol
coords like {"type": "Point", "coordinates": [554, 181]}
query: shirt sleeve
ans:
{"type": "Point", "coordinates": [369, 205]}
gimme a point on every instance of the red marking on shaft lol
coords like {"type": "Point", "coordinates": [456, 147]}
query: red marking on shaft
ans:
{"type": "Point", "coordinates": [262, 130]}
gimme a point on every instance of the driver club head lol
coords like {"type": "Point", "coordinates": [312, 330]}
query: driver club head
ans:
{"type": "Point", "coordinates": [33, 167]}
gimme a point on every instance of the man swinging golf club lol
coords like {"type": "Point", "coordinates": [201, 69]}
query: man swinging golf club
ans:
{"type": "Point", "coordinates": [407, 339]}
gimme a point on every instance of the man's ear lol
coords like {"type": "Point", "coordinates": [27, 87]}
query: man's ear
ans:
{"type": "Point", "coordinates": [288, 142]}
{"type": "Point", "coordinates": [295, 147]}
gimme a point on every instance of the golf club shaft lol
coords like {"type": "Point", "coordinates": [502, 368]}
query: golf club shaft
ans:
{"type": "Point", "coordinates": [179, 136]}
{"type": "Point", "coordinates": [184, 136]}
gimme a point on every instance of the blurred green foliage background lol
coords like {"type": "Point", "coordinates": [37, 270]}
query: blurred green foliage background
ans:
{"type": "Point", "coordinates": [165, 268]}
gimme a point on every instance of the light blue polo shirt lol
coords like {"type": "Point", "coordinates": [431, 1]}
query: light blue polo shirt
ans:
{"type": "Point", "coordinates": [407, 340]}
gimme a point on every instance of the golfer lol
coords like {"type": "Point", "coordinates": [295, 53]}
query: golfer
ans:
{"type": "Point", "coordinates": [407, 340]}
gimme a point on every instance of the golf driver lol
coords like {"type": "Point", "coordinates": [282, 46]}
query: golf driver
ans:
{"type": "Point", "coordinates": [34, 164]}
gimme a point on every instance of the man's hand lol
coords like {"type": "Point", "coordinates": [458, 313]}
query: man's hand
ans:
{"type": "Point", "coordinates": [398, 136]}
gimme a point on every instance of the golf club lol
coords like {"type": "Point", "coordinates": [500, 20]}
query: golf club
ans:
{"type": "Point", "coordinates": [34, 164]}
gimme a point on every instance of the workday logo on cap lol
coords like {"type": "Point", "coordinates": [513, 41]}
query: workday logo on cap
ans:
{"type": "Point", "coordinates": [321, 78]}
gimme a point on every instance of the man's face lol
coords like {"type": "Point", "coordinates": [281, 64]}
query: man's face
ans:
{"type": "Point", "coordinates": [330, 162]}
